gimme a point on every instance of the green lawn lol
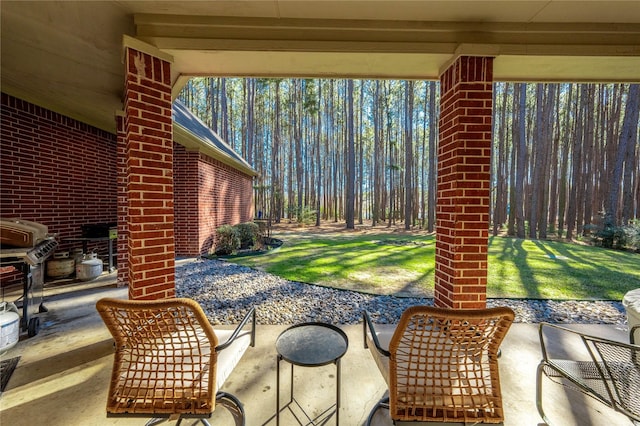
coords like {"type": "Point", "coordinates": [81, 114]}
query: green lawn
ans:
{"type": "Point", "coordinates": [390, 263]}
{"type": "Point", "coordinates": [559, 270]}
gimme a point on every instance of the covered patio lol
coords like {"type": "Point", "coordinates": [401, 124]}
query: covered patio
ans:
{"type": "Point", "coordinates": [63, 374]}
{"type": "Point", "coordinates": [68, 57]}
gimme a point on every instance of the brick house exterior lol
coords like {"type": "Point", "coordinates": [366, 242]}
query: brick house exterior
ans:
{"type": "Point", "coordinates": [63, 173]}
{"type": "Point", "coordinates": [210, 179]}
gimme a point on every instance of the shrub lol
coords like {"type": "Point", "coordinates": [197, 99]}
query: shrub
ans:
{"type": "Point", "coordinates": [248, 234]}
{"type": "Point", "coordinates": [227, 240]}
{"type": "Point", "coordinates": [263, 231]}
{"type": "Point", "coordinates": [610, 236]}
{"type": "Point", "coordinates": [632, 235]}
{"type": "Point", "coordinates": [308, 215]}
{"type": "Point", "coordinates": [305, 215]}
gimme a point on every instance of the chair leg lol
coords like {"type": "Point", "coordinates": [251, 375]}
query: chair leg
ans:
{"type": "Point", "coordinates": [237, 405]}
{"type": "Point", "coordinates": [539, 377]}
{"type": "Point", "coordinates": [383, 403]}
{"type": "Point", "coordinates": [237, 411]}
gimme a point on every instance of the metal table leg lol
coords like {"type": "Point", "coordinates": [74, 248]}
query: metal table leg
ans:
{"type": "Point", "coordinates": [278, 390]}
{"type": "Point", "coordinates": [338, 392]}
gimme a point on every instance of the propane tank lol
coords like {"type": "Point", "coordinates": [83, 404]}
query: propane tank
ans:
{"type": "Point", "coordinates": [9, 326]}
{"type": "Point", "coordinates": [61, 266]}
{"type": "Point", "coordinates": [89, 268]}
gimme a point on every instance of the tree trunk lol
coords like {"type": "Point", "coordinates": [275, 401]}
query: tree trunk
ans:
{"type": "Point", "coordinates": [433, 114]}
{"type": "Point", "coordinates": [519, 138]}
{"type": "Point", "coordinates": [564, 164]}
{"type": "Point", "coordinates": [546, 172]}
{"type": "Point", "coordinates": [575, 192]}
{"type": "Point", "coordinates": [361, 154]}
{"type": "Point", "coordinates": [555, 148]}
{"type": "Point", "coordinates": [377, 154]}
{"type": "Point", "coordinates": [588, 160]}
{"type": "Point", "coordinates": [318, 155]}
{"type": "Point", "coordinates": [408, 154]}
{"type": "Point", "coordinates": [538, 149]}
{"type": "Point", "coordinates": [500, 162]}
{"type": "Point", "coordinates": [631, 169]}
{"type": "Point", "coordinates": [224, 113]}
{"type": "Point", "coordinates": [351, 159]}
{"type": "Point", "coordinates": [297, 109]}
{"type": "Point", "coordinates": [511, 228]}
{"type": "Point", "coordinates": [628, 136]}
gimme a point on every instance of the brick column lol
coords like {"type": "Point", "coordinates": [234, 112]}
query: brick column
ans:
{"type": "Point", "coordinates": [149, 173]}
{"type": "Point", "coordinates": [464, 160]}
{"type": "Point", "coordinates": [123, 234]}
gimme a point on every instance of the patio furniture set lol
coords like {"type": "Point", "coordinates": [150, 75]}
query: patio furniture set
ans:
{"type": "Point", "coordinates": [440, 365]}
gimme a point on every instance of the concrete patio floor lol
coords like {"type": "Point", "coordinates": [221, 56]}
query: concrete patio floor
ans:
{"type": "Point", "coordinates": [63, 374]}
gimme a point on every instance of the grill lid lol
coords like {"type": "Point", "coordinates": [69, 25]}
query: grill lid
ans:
{"type": "Point", "coordinates": [21, 233]}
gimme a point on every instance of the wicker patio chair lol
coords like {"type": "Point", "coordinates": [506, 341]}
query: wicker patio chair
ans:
{"type": "Point", "coordinates": [441, 365]}
{"type": "Point", "coordinates": [169, 362]}
{"type": "Point", "coordinates": [605, 370]}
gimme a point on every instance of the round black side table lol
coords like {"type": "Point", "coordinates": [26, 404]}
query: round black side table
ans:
{"type": "Point", "coordinates": [310, 344]}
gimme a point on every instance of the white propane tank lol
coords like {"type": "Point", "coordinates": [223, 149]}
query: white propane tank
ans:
{"type": "Point", "coordinates": [9, 326]}
{"type": "Point", "coordinates": [89, 268]}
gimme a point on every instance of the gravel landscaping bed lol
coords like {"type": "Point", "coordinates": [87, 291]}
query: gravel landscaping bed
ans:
{"type": "Point", "coordinates": [226, 291]}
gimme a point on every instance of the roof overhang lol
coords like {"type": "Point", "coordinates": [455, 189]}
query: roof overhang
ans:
{"type": "Point", "coordinates": [192, 142]}
{"type": "Point", "coordinates": [65, 56]}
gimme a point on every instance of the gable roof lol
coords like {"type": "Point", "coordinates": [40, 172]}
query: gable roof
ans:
{"type": "Point", "coordinates": [190, 132]}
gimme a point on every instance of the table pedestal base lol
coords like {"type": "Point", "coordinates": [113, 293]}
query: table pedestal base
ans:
{"type": "Point", "coordinates": [296, 409]}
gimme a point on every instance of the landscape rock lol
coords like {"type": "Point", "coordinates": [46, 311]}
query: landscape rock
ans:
{"type": "Point", "coordinates": [227, 291]}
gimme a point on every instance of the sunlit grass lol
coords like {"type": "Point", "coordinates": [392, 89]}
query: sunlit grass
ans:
{"type": "Point", "coordinates": [558, 270]}
{"type": "Point", "coordinates": [405, 264]}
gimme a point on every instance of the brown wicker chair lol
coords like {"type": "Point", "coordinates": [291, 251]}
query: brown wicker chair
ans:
{"type": "Point", "coordinates": [168, 360]}
{"type": "Point", "coordinates": [441, 365]}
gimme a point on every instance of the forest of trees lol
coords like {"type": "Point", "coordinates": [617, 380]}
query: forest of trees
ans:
{"type": "Point", "coordinates": [566, 157]}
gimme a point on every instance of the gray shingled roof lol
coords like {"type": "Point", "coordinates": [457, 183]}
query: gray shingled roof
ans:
{"type": "Point", "coordinates": [210, 140]}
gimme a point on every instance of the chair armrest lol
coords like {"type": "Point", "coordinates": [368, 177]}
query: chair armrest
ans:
{"type": "Point", "coordinates": [250, 315]}
{"type": "Point", "coordinates": [368, 323]}
{"type": "Point", "coordinates": [541, 332]}
{"type": "Point", "coordinates": [632, 334]}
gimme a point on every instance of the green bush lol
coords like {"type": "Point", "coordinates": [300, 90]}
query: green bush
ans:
{"type": "Point", "coordinates": [305, 215]}
{"type": "Point", "coordinates": [263, 230]}
{"type": "Point", "coordinates": [308, 215]}
{"type": "Point", "coordinates": [227, 240]}
{"type": "Point", "coordinates": [610, 236]}
{"type": "Point", "coordinates": [248, 233]}
{"type": "Point", "coordinates": [632, 235]}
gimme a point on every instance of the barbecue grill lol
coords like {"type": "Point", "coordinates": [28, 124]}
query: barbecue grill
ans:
{"type": "Point", "coordinates": [26, 246]}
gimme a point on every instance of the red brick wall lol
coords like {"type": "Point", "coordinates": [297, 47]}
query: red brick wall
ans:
{"type": "Point", "coordinates": [185, 164]}
{"type": "Point", "coordinates": [226, 197]}
{"type": "Point", "coordinates": [39, 146]}
{"type": "Point", "coordinates": [464, 159]}
{"type": "Point", "coordinates": [123, 204]}
{"type": "Point", "coordinates": [218, 193]}
{"type": "Point", "coordinates": [55, 170]}
{"type": "Point", "coordinates": [149, 172]}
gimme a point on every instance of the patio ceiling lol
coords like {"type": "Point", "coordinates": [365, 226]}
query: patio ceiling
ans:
{"type": "Point", "coordinates": [66, 56]}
